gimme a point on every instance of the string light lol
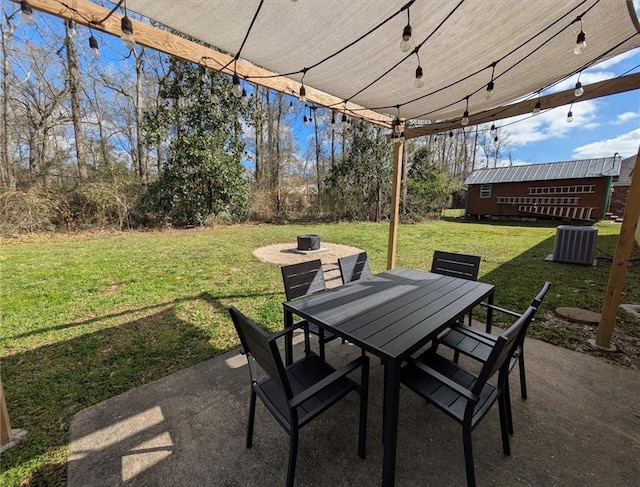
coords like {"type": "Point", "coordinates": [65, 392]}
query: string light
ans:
{"type": "Point", "coordinates": [537, 107]}
{"type": "Point", "coordinates": [581, 40]}
{"type": "Point", "coordinates": [491, 84]}
{"type": "Point", "coordinates": [26, 13]}
{"type": "Point", "coordinates": [495, 141]}
{"type": "Point", "coordinates": [465, 116]}
{"type": "Point", "coordinates": [579, 89]}
{"type": "Point", "coordinates": [236, 89]}
{"type": "Point", "coordinates": [493, 130]}
{"type": "Point", "coordinates": [302, 94]}
{"type": "Point", "coordinates": [419, 79]}
{"type": "Point", "coordinates": [71, 29]}
{"type": "Point", "coordinates": [450, 133]}
{"type": "Point", "coordinates": [570, 114]}
{"type": "Point", "coordinates": [95, 49]}
{"type": "Point", "coordinates": [405, 43]}
{"type": "Point", "coordinates": [244, 99]}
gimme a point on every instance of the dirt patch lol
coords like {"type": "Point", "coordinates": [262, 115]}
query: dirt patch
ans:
{"type": "Point", "coordinates": [329, 253]}
{"type": "Point", "coordinates": [575, 336]}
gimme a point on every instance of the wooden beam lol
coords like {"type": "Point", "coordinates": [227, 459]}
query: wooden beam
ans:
{"type": "Point", "coordinates": [176, 46]}
{"type": "Point", "coordinates": [595, 90]}
{"type": "Point", "coordinates": [620, 262]}
{"type": "Point", "coordinates": [398, 150]}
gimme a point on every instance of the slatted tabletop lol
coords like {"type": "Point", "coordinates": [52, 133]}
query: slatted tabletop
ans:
{"type": "Point", "coordinates": [393, 313]}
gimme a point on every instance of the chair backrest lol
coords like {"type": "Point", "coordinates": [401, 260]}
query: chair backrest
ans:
{"type": "Point", "coordinates": [505, 346]}
{"type": "Point", "coordinates": [353, 267]}
{"type": "Point", "coordinates": [302, 279]}
{"type": "Point", "coordinates": [456, 265]}
{"type": "Point", "coordinates": [256, 343]}
{"type": "Point", "coordinates": [537, 301]}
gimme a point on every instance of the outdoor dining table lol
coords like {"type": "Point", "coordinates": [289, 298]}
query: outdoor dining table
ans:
{"type": "Point", "coordinates": [390, 315]}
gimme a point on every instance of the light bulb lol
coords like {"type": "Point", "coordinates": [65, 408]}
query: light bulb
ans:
{"type": "Point", "coordinates": [405, 44]}
{"type": "Point", "coordinates": [127, 33]}
{"type": "Point", "coordinates": [536, 109]}
{"type": "Point", "coordinates": [214, 97]}
{"type": "Point", "coordinates": [490, 86]}
{"type": "Point", "coordinates": [493, 130]}
{"type": "Point", "coordinates": [26, 13]}
{"type": "Point", "coordinates": [237, 89]}
{"type": "Point", "coordinates": [303, 94]}
{"type": "Point", "coordinates": [244, 99]}
{"type": "Point", "coordinates": [579, 89]}
{"type": "Point", "coordinates": [71, 29]}
{"type": "Point", "coordinates": [344, 119]}
{"type": "Point", "coordinates": [495, 141]}
{"type": "Point", "coordinates": [465, 118]}
{"type": "Point", "coordinates": [397, 125]}
{"type": "Point", "coordinates": [419, 78]}
{"type": "Point", "coordinates": [581, 43]}
{"type": "Point", "coordinates": [570, 117]}
{"type": "Point", "coordinates": [95, 49]}
{"type": "Point", "coordinates": [305, 120]}
{"type": "Point", "coordinates": [450, 133]}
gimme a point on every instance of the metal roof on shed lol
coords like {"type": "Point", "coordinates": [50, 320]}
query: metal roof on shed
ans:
{"type": "Point", "coordinates": [588, 168]}
{"type": "Point", "coordinates": [626, 171]}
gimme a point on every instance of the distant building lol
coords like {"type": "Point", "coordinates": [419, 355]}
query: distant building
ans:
{"type": "Point", "coordinates": [570, 190]}
{"type": "Point", "coordinates": [621, 187]}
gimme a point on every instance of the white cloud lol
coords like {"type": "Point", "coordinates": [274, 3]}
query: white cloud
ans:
{"type": "Point", "coordinates": [616, 59]}
{"type": "Point", "coordinates": [625, 117]}
{"type": "Point", "coordinates": [551, 124]}
{"type": "Point", "coordinates": [624, 144]}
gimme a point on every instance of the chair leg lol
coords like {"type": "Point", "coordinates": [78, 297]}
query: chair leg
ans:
{"type": "Point", "coordinates": [321, 343]}
{"type": "Point", "coordinates": [523, 380]}
{"type": "Point", "coordinates": [503, 425]}
{"type": "Point", "coordinates": [252, 415]}
{"type": "Point", "coordinates": [364, 399]}
{"type": "Point", "coordinates": [507, 399]}
{"type": "Point", "coordinates": [456, 356]}
{"type": "Point", "coordinates": [468, 456]}
{"type": "Point", "coordinates": [293, 454]}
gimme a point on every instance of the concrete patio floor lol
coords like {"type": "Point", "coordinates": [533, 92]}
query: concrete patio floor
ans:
{"type": "Point", "coordinates": [579, 427]}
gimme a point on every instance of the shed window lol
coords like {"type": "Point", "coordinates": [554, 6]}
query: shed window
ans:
{"type": "Point", "coordinates": [485, 191]}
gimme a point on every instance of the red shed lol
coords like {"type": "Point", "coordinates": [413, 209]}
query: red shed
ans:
{"type": "Point", "coordinates": [570, 190]}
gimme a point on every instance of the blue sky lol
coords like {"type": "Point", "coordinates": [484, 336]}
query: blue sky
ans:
{"type": "Point", "coordinates": [600, 127]}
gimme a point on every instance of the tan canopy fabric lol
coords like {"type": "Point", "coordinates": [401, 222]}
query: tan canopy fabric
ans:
{"type": "Point", "coordinates": [531, 43]}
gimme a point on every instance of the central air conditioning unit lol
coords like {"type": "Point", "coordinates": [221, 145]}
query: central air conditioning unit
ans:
{"type": "Point", "coordinates": [575, 245]}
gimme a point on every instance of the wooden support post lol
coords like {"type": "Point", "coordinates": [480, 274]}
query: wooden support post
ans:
{"type": "Point", "coordinates": [620, 262]}
{"type": "Point", "coordinates": [398, 148]}
{"type": "Point", "coordinates": [8, 436]}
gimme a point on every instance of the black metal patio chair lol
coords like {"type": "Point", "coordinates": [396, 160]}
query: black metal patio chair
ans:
{"type": "Point", "coordinates": [464, 395]}
{"type": "Point", "coordinates": [456, 265]}
{"type": "Point", "coordinates": [478, 344]}
{"type": "Point", "coordinates": [300, 280]}
{"type": "Point", "coordinates": [464, 266]}
{"type": "Point", "coordinates": [354, 267]}
{"type": "Point", "coordinates": [297, 394]}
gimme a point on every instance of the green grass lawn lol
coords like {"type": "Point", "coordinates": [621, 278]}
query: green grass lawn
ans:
{"type": "Point", "coordinates": [87, 317]}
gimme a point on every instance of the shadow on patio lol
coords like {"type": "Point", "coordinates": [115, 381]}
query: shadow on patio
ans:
{"type": "Point", "coordinates": [580, 426]}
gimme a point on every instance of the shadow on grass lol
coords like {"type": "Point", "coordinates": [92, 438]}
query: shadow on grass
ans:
{"type": "Point", "coordinates": [46, 386]}
{"type": "Point", "coordinates": [213, 300]}
{"type": "Point", "coordinates": [580, 286]}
